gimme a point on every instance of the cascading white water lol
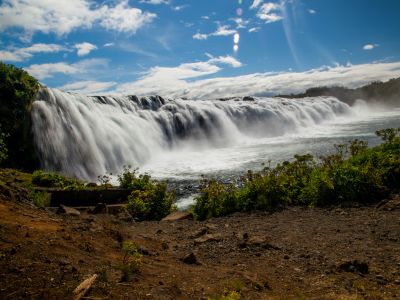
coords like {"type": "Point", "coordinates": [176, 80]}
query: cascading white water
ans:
{"type": "Point", "coordinates": [86, 136]}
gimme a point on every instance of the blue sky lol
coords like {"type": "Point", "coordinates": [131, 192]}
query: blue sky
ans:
{"type": "Point", "coordinates": [187, 48]}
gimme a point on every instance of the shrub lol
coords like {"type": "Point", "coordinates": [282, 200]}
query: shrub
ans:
{"type": "Point", "coordinates": [132, 261]}
{"type": "Point", "coordinates": [129, 179]}
{"type": "Point", "coordinates": [149, 199]}
{"type": "Point", "coordinates": [41, 199]}
{"type": "Point", "coordinates": [352, 173]}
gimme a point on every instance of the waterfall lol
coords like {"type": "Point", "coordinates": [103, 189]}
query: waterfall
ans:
{"type": "Point", "coordinates": [87, 136]}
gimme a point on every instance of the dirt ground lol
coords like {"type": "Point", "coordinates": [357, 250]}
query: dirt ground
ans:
{"type": "Point", "coordinates": [297, 253]}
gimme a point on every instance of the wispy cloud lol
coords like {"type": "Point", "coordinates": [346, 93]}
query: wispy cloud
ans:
{"type": "Point", "coordinates": [63, 16]}
{"type": "Point", "coordinates": [240, 23]}
{"type": "Point", "coordinates": [256, 3]}
{"type": "Point", "coordinates": [177, 77]}
{"type": "Point", "coordinates": [222, 30]}
{"type": "Point", "coordinates": [155, 2]}
{"type": "Point", "coordinates": [43, 71]}
{"type": "Point", "coordinates": [200, 36]}
{"type": "Point", "coordinates": [178, 81]}
{"type": "Point", "coordinates": [254, 29]}
{"type": "Point", "coordinates": [179, 7]}
{"type": "Point", "coordinates": [270, 12]}
{"type": "Point", "coordinates": [370, 46]}
{"type": "Point", "coordinates": [22, 54]}
{"type": "Point", "coordinates": [84, 48]}
{"type": "Point", "coordinates": [312, 11]}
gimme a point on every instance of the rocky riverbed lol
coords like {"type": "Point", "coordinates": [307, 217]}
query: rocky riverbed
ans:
{"type": "Point", "coordinates": [306, 253]}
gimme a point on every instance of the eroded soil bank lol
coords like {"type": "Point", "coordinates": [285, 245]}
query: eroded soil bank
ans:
{"type": "Point", "coordinates": [298, 253]}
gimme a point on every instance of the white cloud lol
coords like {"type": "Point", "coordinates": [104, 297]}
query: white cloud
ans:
{"type": "Point", "coordinates": [269, 12]}
{"type": "Point", "coordinates": [205, 17]}
{"type": "Point", "coordinates": [312, 11]}
{"type": "Point", "coordinates": [223, 30]}
{"type": "Point", "coordinates": [84, 48]}
{"type": "Point", "coordinates": [21, 54]}
{"type": "Point", "coordinates": [109, 44]}
{"type": "Point", "coordinates": [177, 77]}
{"type": "Point", "coordinates": [179, 7]}
{"type": "Point", "coordinates": [63, 16]}
{"type": "Point", "coordinates": [240, 23]}
{"type": "Point", "coordinates": [370, 46]}
{"type": "Point", "coordinates": [200, 36]}
{"type": "Point", "coordinates": [255, 4]}
{"type": "Point", "coordinates": [88, 87]}
{"type": "Point", "coordinates": [43, 71]}
{"type": "Point", "coordinates": [123, 18]}
{"type": "Point", "coordinates": [228, 60]}
{"type": "Point", "coordinates": [254, 29]}
{"type": "Point", "coordinates": [173, 83]}
{"type": "Point", "coordinates": [154, 2]}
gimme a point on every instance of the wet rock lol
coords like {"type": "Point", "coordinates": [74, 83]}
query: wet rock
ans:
{"type": "Point", "coordinates": [208, 238]}
{"type": "Point", "coordinates": [190, 259]}
{"type": "Point", "coordinates": [248, 98]}
{"type": "Point", "coordinates": [68, 211]}
{"type": "Point", "coordinates": [178, 215]}
{"type": "Point", "coordinates": [354, 266]}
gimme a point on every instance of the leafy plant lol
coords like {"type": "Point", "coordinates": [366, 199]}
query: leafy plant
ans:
{"type": "Point", "coordinates": [41, 199]}
{"type": "Point", "coordinates": [149, 199]}
{"type": "Point", "coordinates": [132, 261]}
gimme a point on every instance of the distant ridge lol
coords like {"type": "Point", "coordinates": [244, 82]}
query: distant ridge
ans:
{"type": "Point", "coordinates": [383, 92]}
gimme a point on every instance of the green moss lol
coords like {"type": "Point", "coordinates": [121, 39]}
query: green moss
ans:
{"type": "Point", "coordinates": [55, 180]}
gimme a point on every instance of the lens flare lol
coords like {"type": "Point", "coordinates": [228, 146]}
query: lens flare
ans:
{"type": "Point", "coordinates": [239, 12]}
{"type": "Point", "coordinates": [236, 38]}
{"type": "Point", "coordinates": [236, 47]}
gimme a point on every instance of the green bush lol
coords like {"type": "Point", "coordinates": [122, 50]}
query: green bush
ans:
{"type": "Point", "coordinates": [17, 92]}
{"type": "Point", "coordinates": [353, 173]}
{"type": "Point", "coordinates": [54, 180]}
{"type": "Point", "coordinates": [132, 261]}
{"type": "Point", "coordinates": [41, 199]}
{"type": "Point", "coordinates": [149, 199]}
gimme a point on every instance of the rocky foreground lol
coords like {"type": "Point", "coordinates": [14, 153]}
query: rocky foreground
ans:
{"type": "Point", "coordinates": [297, 253]}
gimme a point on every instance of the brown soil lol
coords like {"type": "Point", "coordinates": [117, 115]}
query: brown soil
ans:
{"type": "Point", "coordinates": [298, 253]}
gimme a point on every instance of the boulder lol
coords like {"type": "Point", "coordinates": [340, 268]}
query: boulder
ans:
{"type": "Point", "coordinates": [190, 259]}
{"type": "Point", "coordinates": [178, 215]}
{"type": "Point", "coordinates": [68, 211]}
{"type": "Point", "coordinates": [208, 238]}
{"type": "Point", "coordinates": [100, 208]}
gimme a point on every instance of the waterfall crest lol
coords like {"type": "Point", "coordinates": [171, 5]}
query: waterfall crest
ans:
{"type": "Point", "coordinates": [87, 136]}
